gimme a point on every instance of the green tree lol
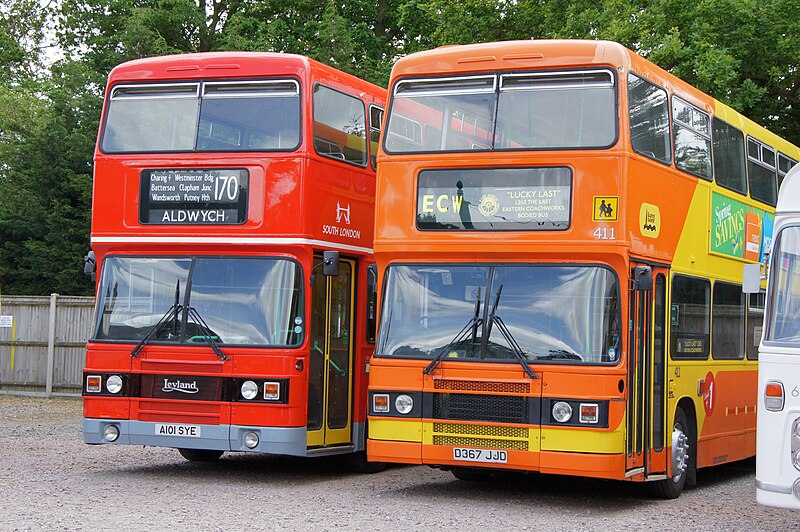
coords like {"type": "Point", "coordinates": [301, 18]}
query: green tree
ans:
{"type": "Point", "coordinates": [46, 185]}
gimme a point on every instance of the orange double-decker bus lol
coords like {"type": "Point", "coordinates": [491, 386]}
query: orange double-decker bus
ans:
{"type": "Point", "coordinates": [560, 236]}
{"type": "Point", "coordinates": [232, 227]}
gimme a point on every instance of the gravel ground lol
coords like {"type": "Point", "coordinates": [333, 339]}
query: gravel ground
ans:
{"type": "Point", "coordinates": [49, 479]}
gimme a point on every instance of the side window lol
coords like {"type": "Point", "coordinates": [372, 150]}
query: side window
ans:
{"type": "Point", "coordinates": [727, 322]}
{"type": "Point", "coordinates": [375, 121]}
{"type": "Point", "coordinates": [761, 171]}
{"type": "Point", "coordinates": [340, 126]}
{"type": "Point", "coordinates": [729, 167]}
{"type": "Point", "coordinates": [649, 117]}
{"type": "Point", "coordinates": [755, 324]}
{"type": "Point", "coordinates": [785, 163]}
{"type": "Point", "coordinates": [690, 313]}
{"type": "Point", "coordinates": [692, 139]}
{"type": "Point", "coordinates": [372, 302]}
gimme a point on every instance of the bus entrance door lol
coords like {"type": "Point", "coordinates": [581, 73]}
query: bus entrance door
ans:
{"type": "Point", "coordinates": [645, 448]}
{"type": "Point", "coordinates": [330, 393]}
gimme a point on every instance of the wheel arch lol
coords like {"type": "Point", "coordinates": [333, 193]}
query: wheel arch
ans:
{"type": "Point", "coordinates": [687, 405]}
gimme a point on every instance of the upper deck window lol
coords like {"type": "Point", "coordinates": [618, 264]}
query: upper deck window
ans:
{"type": "Point", "coordinates": [340, 126]}
{"type": "Point", "coordinates": [375, 124]}
{"type": "Point", "coordinates": [203, 116]}
{"type": "Point", "coordinates": [649, 114]}
{"type": "Point", "coordinates": [761, 171]}
{"type": "Point", "coordinates": [729, 167]}
{"type": "Point", "coordinates": [692, 139]}
{"type": "Point", "coordinates": [785, 163]}
{"type": "Point", "coordinates": [534, 110]}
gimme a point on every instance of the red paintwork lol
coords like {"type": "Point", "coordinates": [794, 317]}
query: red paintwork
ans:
{"type": "Point", "coordinates": [292, 195]}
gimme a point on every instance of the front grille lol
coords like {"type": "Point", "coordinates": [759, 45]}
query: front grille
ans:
{"type": "Point", "coordinates": [180, 412]}
{"type": "Point", "coordinates": [481, 386]}
{"type": "Point", "coordinates": [481, 430]}
{"type": "Point", "coordinates": [481, 443]}
{"type": "Point", "coordinates": [493, 408]}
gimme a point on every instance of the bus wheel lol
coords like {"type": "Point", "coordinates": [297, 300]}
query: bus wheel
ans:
{"type": "Point", "coordinates": [358, 462]}
{"type": "Point", "coordinates": [200, 455]}
{"type": "Point", "coordinates": [682, 449]}
{"type": "Point", "coordinates": [469, 474]}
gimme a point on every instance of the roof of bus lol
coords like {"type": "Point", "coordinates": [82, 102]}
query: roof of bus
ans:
{"type": "Point", "coordinates": [223, 65]}
{"type": "Point", "coordinates": [506, 55]}
{"type": "Point", "coordinates": [545, 54]}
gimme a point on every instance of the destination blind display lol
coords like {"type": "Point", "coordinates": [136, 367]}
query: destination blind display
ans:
{"type": "Point", "coordinates": [494, 199]}
{"type": "Point", "coordinates": [213, 196]}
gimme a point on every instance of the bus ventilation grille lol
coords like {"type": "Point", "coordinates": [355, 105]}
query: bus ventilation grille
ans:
{"type": "Point", "coordinates": [481, 430]}
{"type": "Point", "coordinates": [481, 443]}
{"type": "Point", "coordinates": [491, 408]}
{"type": "Point", "coordinates": [482, 386]}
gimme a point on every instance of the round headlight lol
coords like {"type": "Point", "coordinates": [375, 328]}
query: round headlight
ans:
{"type": "Point", "coordinates": [796, 459]}
{"type": "Point", "coordinates": [114, 384]}
{"type": "Point", "coordinates": [110, 433]}
{"type": "Point", "coordinates": [249, 389]}
{"type": "Point", "coordinates": [562, 412]}
{"type": "Point", "coordinates": [404, 403]}
{"type": "Point", "coordinates": [251, 440]}
{"type": "Point", "coordinates": [797, 428]}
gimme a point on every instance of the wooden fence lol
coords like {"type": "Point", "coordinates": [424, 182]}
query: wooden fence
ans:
{"type": "Point", "coordinates": [43, 344]}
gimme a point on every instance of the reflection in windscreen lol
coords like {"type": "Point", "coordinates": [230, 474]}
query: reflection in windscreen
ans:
{"type": "Point", "coordinates": [233, 116]}
{"type": "Point", "coordinates": [560, 313]}
{"type": "Point", "coordinates": [783, 307]}
{"type": "Point", "coordinates": [538, 110]}
{"type": "Point", "coordinates": [243, 301]}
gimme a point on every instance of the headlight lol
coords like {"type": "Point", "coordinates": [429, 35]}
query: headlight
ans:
{"type": "Point", "coordinates": [114, 384]}
{"type": "Point", "coordinates": [796, 459]}
{"type": "Point", "coordinates": [249, 389]}
{"type": "Point", "coordinates": [110, 433]}
{"type": "Point", "coordinates": [251, 440]}
{"type": "Point", "coordinates": [562, 412]}
{"type": "Point", "coordinates": [404, 403]}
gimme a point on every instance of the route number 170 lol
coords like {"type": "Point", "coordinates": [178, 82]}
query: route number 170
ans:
{"type": "Point", "coordinates": [604, 233]}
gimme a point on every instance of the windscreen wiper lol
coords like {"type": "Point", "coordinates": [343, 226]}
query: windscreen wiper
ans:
{"type": "Point", "coordinates": [171, 314]}
{"type": "Point", "coordinates": [560, 354]}
{"type": "Point", "coordinates": [209, 335]}
{"type": "Point", "coordinates": [501, 326]}
{"type": "Point", "coordinates": [471, 326]}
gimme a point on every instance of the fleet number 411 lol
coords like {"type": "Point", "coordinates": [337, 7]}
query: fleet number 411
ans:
{"type": "Point", "coordinates": [604, 233]}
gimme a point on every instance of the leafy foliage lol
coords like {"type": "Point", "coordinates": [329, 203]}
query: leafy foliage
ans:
{"type": "Point", "coordinates": [745, 53]}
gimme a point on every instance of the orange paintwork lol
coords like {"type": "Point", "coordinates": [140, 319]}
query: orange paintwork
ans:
{"type": "Point", "coordinates": [614, 172]}
{"type": "Point", "coordinates": [292, 196]}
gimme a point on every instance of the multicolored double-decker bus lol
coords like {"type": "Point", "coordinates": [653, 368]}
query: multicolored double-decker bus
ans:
{"type": "Point", "coordinates": [232, 227]}
{"type": "Point", "coordinates": [560, 235]}
{"type": "Point", "coordinates": [778, 434]}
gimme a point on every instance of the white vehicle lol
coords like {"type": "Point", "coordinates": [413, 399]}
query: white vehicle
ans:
{"type": "Point", "coordinates": [778, 433]}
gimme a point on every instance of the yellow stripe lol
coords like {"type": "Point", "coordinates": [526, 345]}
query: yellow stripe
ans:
{"type": "Point", "coordinates": [395, 430]}
{"type": "Point", "coordinates": [580, 440]}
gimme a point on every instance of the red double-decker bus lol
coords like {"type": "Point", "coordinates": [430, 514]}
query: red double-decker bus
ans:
{"type": "Point", "coordinates": [232, 227]}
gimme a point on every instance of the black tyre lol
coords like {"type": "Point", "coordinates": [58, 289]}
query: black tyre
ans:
{"type": "Point", "coordinates": [358, 462]}
{"type": "Point", "coordinates": [200, 455]}
{"type": "Point", "coordinates": [682, 450]}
